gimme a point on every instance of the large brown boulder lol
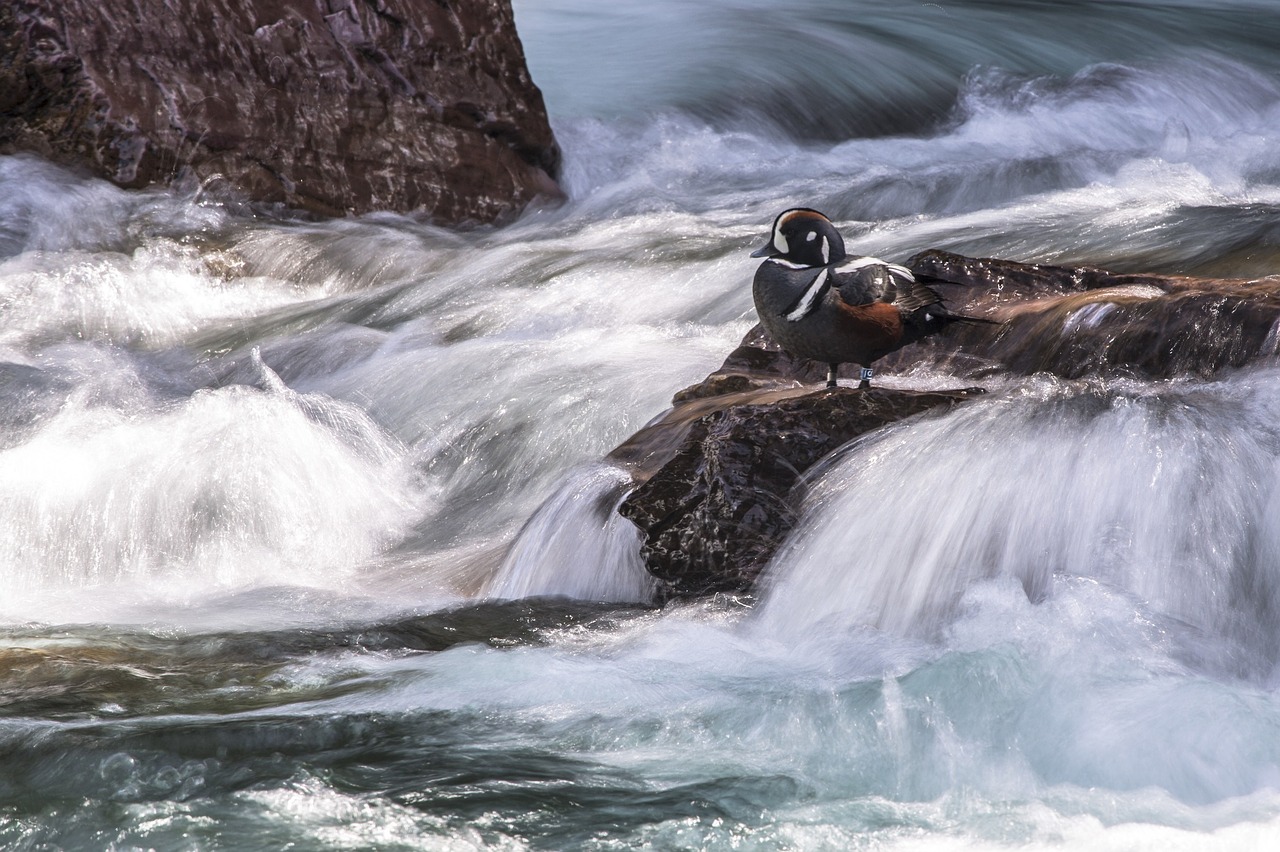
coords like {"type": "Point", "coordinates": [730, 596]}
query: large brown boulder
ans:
{"type": "Point", "coordinates": [1083, 321]}
{"type": "Point", "coordinates": [332, 106]}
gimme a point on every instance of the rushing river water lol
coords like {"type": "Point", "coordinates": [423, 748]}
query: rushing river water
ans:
{"type": "Point", "coordinates": [305, 541]}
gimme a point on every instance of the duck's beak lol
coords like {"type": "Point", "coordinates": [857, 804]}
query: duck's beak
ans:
{"type": "Point", "coordinates": [764, 251]}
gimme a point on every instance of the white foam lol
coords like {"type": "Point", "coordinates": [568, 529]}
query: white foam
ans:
{"type": "Point", "coordinates": [139, 498]}
{"type": "Point", "coordinates": [1163, 494]}
{"type": "Point", "coordinates": [158, 295]}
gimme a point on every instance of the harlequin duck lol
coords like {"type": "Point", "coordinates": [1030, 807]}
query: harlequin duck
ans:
{"type": "Point", "coordinates": [818, 302]}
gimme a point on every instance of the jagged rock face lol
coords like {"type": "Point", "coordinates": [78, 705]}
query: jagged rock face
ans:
{"type": "Point", "coordinates": [714, 513]}
{"type": "Point", "coordinates": [332, 106]}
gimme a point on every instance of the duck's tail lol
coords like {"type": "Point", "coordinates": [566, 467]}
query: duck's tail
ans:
{"type": "Point", "coordinates": [973, 320]}
{"type": "Point", "coordinates": [933, 319]}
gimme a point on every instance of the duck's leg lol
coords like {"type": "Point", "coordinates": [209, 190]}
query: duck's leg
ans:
{"type": "Point", "coordinates": [831, 375]}
{"type": "Point", "coordinates": [865, 375]}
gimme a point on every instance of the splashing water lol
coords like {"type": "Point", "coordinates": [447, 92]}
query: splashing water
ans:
{"type": "Point", "coordinates": [229, 487]}
{"type": "Point", "coordinates": [1165, 495]}
{"type": "Point", "coordinates": [577, 545]}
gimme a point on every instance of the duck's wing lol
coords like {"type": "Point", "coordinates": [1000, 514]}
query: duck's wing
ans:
{"type": "Point", "coordinates": [862, 280]}
{"type": "Point", "coordinates": [909, 295]}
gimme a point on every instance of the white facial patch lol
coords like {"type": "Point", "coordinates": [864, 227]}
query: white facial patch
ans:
{"type": "Point", "coordinates": [813, 235]}
{"type": "Point", "coordinates": [780, 241]}
{"type": "Point", "coordinates": [809, 301]}
{"type": "Point", "coordinates": [826, 251]}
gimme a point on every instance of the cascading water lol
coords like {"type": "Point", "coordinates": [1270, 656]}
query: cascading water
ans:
{"type": "Point", "coordinates": [577, 545]}
{"type": "Point", "coordinates": [306, 541]}
{"type": "Point", "coordinates": [1165, 494]}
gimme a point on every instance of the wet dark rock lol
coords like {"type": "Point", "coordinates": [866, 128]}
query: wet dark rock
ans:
{"type": "Point", "coordinates": [1083, 321]}
{"type": "Point", "coordinates": [331, 106]}
{"type": "Point", "coordinates": [996, 282]}
{"type": "Point", "coordinates": [716, 510]}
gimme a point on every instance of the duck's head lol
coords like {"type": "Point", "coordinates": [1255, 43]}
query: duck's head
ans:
{"type": "Point", "coordinates": [804, 237]}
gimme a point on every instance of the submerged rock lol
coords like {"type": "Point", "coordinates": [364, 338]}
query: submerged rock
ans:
{"type": "Point", "coordinates": [332, 106]}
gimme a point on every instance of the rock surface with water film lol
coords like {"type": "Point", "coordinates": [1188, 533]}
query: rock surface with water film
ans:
{"type": "Point", "coordinates": [718, 473]}
{"type": "Point", "coordinates": [1076, 322]}
{"type": "Point", "coordinates": [331, 106]}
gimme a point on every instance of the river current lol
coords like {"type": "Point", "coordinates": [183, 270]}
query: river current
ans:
{"type": "Point", "coordinates": [306, 541]}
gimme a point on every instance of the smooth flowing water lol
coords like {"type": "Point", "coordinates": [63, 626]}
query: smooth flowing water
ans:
{"type": "Point", "coordinates": [306, 541]}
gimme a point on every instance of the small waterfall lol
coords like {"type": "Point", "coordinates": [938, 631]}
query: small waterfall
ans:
{"type": "Point", "coordinates": [1167, 494]}
{"type": "Point", "coordinates": [577, 545]}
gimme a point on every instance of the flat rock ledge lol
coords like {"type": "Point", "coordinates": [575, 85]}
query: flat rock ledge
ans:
{"type": "Point", "coordinates": [333, 107]}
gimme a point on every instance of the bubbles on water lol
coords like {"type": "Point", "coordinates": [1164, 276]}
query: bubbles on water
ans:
{"type": "Point", "coordinates": [309, 809]}
{"type": "Point", "coordinates": [962, 822]}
